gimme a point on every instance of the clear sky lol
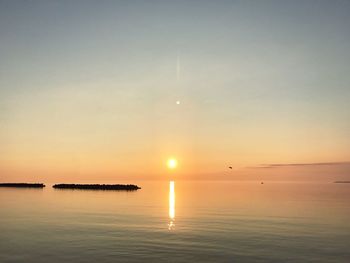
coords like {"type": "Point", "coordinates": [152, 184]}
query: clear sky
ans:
{"type": "Point", "coordinates": [88, 89]}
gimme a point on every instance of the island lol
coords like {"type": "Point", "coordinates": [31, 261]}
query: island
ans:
{"type": "Point", "coordinates": [124, 187]}
{"type": "Point", "coordinates": [22, 185]}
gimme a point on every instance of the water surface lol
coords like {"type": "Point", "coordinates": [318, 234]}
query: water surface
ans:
{"type": "Point", "coordinates": [181, 221]}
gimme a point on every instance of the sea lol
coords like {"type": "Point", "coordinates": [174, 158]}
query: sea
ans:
{"type": "Point", "coordinates": [178, 221]}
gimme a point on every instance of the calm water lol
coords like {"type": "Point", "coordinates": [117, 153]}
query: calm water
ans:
{"type": "Point", "coordinates": [180, 222]}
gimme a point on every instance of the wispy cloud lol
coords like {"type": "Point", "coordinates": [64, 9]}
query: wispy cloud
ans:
{"type": "Point", "coordinates": [276, 165]}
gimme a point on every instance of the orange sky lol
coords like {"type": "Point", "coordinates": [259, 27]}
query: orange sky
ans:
{"type": "Point", "coordinates": [91, 92]}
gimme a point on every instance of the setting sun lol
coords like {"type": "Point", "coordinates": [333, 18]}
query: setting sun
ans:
{"type": "Point", "coordinates": [183, 131]}
{"type": "Point", "coordinates": [172, 163]}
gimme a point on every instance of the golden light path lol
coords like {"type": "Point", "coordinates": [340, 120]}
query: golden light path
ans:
{"type": "Point", "coordinates": [171, 224]}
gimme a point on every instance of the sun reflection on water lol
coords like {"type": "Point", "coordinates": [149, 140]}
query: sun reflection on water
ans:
{"type": "Point", "coordinates": [171, 225]}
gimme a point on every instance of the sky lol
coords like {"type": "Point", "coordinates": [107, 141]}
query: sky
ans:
{"type": "Point", "coordinates": [89, 90]}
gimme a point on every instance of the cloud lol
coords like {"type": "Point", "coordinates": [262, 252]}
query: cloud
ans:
{"type": "Point", "coordinates": [276, 165]}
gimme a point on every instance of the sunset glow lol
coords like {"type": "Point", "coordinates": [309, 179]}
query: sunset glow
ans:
{"type": "Point", "coordinates": [106, 106]}
{"type": "Point", "coordinates": [172, 163]}
{"type": "Point", "coordinates": [202, 93]}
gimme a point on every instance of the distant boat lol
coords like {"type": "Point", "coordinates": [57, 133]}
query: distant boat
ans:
{"type": "Point", "coordinates": [262, 182]}
{"type": "Point", "coordinates": [125, 187]}
{"type": "Point", "coordinates": [22, 185]}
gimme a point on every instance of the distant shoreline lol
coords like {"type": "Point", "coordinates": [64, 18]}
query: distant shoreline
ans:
{"type": "Point", "coordinates": [22, 185]}
{"type": "Point", "coordinates": [124, 187]}
{"type": "Point", "coordinates": [342, 182]}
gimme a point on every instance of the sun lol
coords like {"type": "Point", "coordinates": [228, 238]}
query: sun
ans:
{"type": "Point", "coordinates": [172, 163]}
